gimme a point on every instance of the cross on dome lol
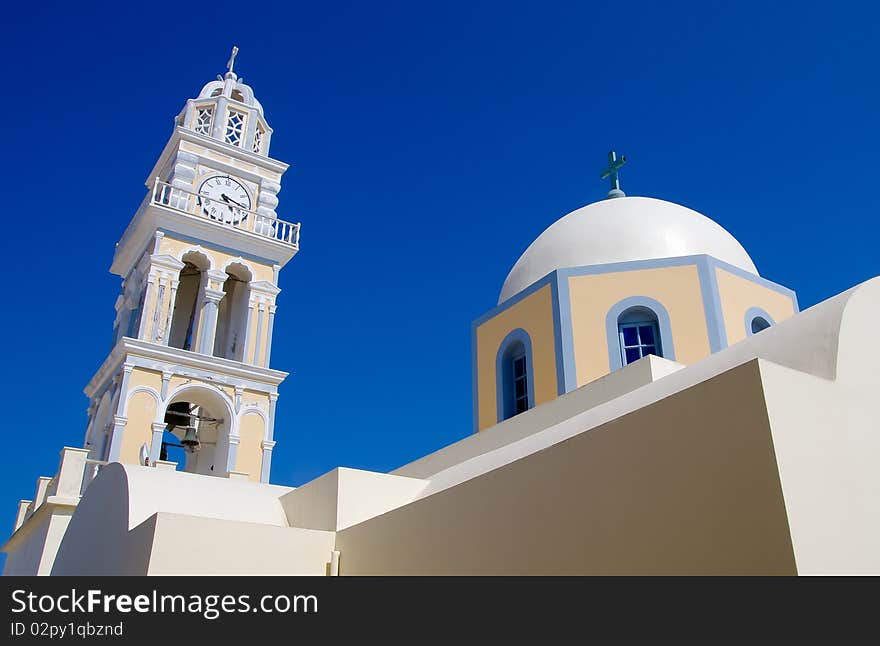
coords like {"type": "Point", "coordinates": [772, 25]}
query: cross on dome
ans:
{"type": "Point", "coordinates": [231, 63]}
{"type": "Point", "coordinates": [614, 165]}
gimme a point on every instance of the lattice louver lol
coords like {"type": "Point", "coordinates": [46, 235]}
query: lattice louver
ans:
{"type": "Point", "coordinates": [259, 135]}
{"type": "Point", "coordinates": [234, 127]}
{"type": "Point", "coordinates": [204, 120]}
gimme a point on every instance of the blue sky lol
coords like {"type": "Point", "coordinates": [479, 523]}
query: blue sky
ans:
{"type": "Point", "coordinates": [430, 143]}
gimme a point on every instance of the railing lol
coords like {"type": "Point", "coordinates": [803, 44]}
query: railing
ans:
{"type": "Point", "coordinates": [225, 214]}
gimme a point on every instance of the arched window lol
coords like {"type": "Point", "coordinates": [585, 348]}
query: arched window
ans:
{"type": "Point", "coordinates": [757, 320]}
{"type": "Point", "coordinates": [232, 315]}
{"type": "Point", "coordinates": [759, 323]}
{"type": "Point", "coordinates": [514, 375]}
{"type": "Point", "coordinates": [639, 333]}
{"type": "Point", "coordinates": [636, 327]}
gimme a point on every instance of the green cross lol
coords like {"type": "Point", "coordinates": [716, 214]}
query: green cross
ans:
{"type": "Point", "coordinates": [610, 171]}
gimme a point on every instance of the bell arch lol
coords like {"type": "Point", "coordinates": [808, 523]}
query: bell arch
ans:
{"type": "Point", "coordinates": [199, 421]}
{"type": "Point", "coordinates": [231, 335]}
{"type": "Point", "coordinates": [190, 293]}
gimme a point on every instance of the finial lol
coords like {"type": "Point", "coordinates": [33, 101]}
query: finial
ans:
{"type": "Point", "coordinates": [610, 171]}
{"type": "Point", "coordinates": [231, 63]}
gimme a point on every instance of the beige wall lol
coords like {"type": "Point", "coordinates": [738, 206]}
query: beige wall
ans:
{"type": "Point", "coordinates": [534, 314]}
{"type": "Point", "coordinates": [687, 485]}
{"type": "Point", "coordinates": [192, 545]}
{"type": "Point", "coordinates": [250, 453]}
{"type": "Point", "coordinates": [173, 247]}
{"type": "Point", "coordinates": [592, 296]}
{"type": "Point", "coordinates": [737, 295]}
{"type": "Point", "coordinates": [144, 377]}
{"type": "Point", "coordinates": [141, 413]}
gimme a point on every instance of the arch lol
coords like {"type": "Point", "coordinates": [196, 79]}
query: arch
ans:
{"type": "Point", "coordinates": [192, 281]}
{"type": "Point", "coordinates": [216, 452]}
{"type": "Point", "coordinates": [143, 389]}
{"type": "Point", "coordinates": [239, 268]}
{"type": "Point", "coordinates": [197, 256]}
{"type": "Point", "coordinates": [517, 344]}
{"type": "Point", "coordinates": [757, 320]}
{"type": "Point", "coordinates": [637, 303]}
{"type": "Point", "coordinates": [255, 410]}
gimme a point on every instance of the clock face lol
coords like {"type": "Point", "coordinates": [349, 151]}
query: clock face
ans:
{"type": "Point", "coordinates": [224, 198]}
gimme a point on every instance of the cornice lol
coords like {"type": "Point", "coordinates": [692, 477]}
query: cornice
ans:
{"type": "Point", "coordinates": [154, 217]}
{"type": "Point", "coordinates": [128, 347]}
{"type": "Point", "coordinates": [183, 134]}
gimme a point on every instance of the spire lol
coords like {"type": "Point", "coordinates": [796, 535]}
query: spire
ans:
{"type": "Point", "coordinates": [610, 172]}
{"type": "Point", "coordinates": [227, 110]}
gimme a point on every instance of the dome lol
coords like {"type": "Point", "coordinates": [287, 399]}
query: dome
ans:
{"type": "Point", "coordinates": [619, 230]}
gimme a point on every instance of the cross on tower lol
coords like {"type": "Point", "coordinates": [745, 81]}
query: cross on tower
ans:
{"type": "Point", "coordinates": [610, 171]}
{"type": "Point", "coordinates": [231, 63]}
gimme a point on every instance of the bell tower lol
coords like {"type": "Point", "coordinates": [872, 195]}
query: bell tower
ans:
{"type": "Point", "coordinates": [188, 376]}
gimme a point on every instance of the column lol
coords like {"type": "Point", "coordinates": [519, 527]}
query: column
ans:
{"type": "Point", "coordinates": [156, 444]}
{"type": "Point", "coordinates": [172, 298]}
{"type": "Point", "coordinates": [209, 324]}
{"type": "Point", "coordinates": [158, 332]}
{"type": "Point", "coordinates": [272, 309]}
{"type": "Point", "coordinates": [262, 311]}
{"type": "Point", "coordinates": [118, 419]}
{"type": "Point", "coordinates": [147, 309]}
{"type": "Point", "coordinates": [232, 455]}
{"type": "Point", "coordinates": [116, 437]}
{"type": "Point", "coordinates": [267, 460]}
{"type": "Point", "coordinates": [269, 443]}
{"type": "Point", "coordinates": [248, 326]}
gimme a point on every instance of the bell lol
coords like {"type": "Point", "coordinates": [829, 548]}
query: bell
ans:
{"type": "Point", "coordinates": [190, 439]}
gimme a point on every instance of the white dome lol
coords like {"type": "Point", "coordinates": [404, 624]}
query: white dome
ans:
{"type": "Point", "coordinates": [623, 229]}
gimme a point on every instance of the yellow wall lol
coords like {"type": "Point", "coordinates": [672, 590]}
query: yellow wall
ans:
{"type": "Point", "coordinates": [173, 247]}
{"type": "Point", "coordinates": [534, 314]}
{"type": "Point", "coordinates": [143, 377]}
{"type": "Point", "coordinates": [592, 296]}
{"type": "Point", "coordinates": [737, 295]}
{"type": "Point", "coordinates": [250, 454]}
{"type": "Point", "coordinates": [138, 430]}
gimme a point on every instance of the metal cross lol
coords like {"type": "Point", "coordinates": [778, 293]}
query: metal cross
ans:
{"type": "Point", "coordinates": [610, 171]}
{"type": "Point", "coordinates": [232, 58]}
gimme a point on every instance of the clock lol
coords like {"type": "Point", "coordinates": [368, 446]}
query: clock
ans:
{"type": "Point", "coordinates": [223, 198]}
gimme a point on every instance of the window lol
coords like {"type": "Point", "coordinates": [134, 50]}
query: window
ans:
{"type": "Point", "coordinates": [204, 119]}
{"type": "Point", "coordinates": [514, 375]}
{"type": "Point", "coordinates": [520, 384]}
{"type": "Point", "coordinates": [639, 335]}
{"type": "Point", "coordinates": [757, 320]}
{"type": "Point", "coordinates": [234, 127]}
{"type": "Point", "coordinates": [759, 323]}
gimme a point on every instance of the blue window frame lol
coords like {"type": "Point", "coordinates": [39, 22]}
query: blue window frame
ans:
{"type": "Point", "coordinates": [514, 374]}
{"type": "Point", "coordinates": [639, 335]}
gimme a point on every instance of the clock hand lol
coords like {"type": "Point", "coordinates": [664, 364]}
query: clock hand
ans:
{"type": "Point", "coordinates": [226, 198]}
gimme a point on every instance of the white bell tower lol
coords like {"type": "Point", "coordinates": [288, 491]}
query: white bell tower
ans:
{"type": "Point", "coordinates": [188, 373]}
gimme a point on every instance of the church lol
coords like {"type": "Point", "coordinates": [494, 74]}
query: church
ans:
{"type": "Point", "coordinates": [644, 403]}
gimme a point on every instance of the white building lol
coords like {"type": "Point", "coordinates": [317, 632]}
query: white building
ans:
{"type": "Point", "coordinates": [644, 403]}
